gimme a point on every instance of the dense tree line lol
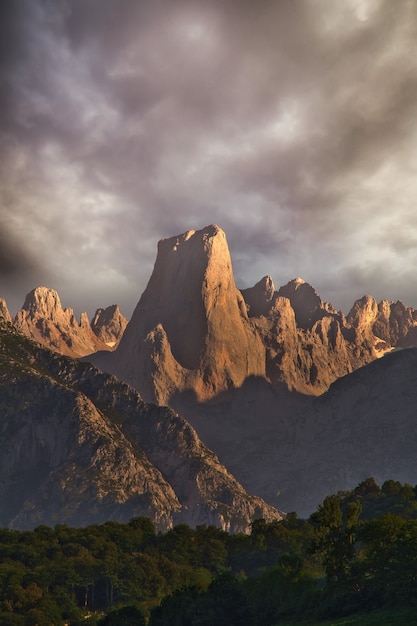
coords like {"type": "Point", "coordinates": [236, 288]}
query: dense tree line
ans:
{"type": "Point", "coordinates": [357, 551]}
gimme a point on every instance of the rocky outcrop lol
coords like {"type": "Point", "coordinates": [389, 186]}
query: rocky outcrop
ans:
{"type": "Point", "coordinates": [307, 305]}
{"type": "Point", "coordinates": [395, 324]}
{"type": "Point", "coordinates": [308, 343]}
{"type": "Point", "coordinates": [78, 446]}
{"type": "Point", "coordinates": [4, 311]}
{"type": "Point", "coordinates": [109, 325]}
{"type": "Point", "coordinates": [260, 298]}
{"type": "Point", "coordinates": [43, 319]}
{"type": "Point", "coordinates": [190, 331]}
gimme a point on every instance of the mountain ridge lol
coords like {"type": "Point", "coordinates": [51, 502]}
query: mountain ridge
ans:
{"type": "Point", "coordinates": [248, 370]}
{"type": "Point", "coordinates": [78, 446]}
{"type": "Point", "coordinates": [193, 330]}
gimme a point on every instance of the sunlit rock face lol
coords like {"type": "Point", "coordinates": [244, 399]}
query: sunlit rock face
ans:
{"type": "Point", "coordinates": [193, 331]}
{"type": "Point", "coordinates": [109, 325]}
{"type": "Point", "coordinates": [308, 343]}
{"type": "Point", "coordinates": [43, 319]}
{"type": "Point", "coordinates": [190, 330]}
{"type": "Point", "coordinates": [4, 311]}
{"type": "Point", "coordinates": [306, 303]}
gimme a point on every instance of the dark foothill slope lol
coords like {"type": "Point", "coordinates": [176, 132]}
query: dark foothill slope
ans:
{"type": "Point", "coordinates": [78, 446]}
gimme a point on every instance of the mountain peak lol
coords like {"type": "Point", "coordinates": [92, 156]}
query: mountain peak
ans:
{"type": "Point", "coordinates": [305, 301]}
{"type": "Point", "coordinates": [43, 319]}
{"type": "Point", "coordinates": [298, 281]}
{"type": "Point", "coordinates": [259, 298]}
{"type": "Point", "coordinates": [4, 311]}
{"type": "Point", "coordinates": [42, 301]}
{"type": "Point", "coordinates": [109, 324]}
{"type": "Point", "coordinates": [209, 342]}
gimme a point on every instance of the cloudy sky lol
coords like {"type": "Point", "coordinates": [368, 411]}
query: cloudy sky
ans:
{"type": "Point", "coordinates": [292, 124]}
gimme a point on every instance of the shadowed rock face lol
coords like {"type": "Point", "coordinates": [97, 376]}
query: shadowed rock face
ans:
{"type": "Point", "coordinates": [363, 426]}
{"type": "Point", "coordinates": [190, 329]}
{"type": "Point", "coordinates": [294, 450]}
{"type": "Point", "coordinates": [260, 298]}
{"type": "Point", "coordinates": [305, 302]}
{"type": "Point", "coordinates": [80, 447]}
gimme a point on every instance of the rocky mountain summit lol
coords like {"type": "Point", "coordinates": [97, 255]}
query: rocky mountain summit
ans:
{"type": "Point", "coordinates": [43, 319]}
{"type": "Point", "coordinates": [4, 311]}
{"type": "Point", "coordinates": [78, 446]}
{"type": "Point", "coordinates": [194, 332]}
{"type": "Point", "coordinates": [109, 325]}
{"type": "Point", "coordinates": [190, 331]}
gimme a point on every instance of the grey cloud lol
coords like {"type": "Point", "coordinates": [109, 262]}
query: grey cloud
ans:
{"type": "Point", "coordinates": [129, 121]}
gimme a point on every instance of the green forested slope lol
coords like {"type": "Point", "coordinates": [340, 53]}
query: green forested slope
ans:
{"type": "Point", "coordinates": [354, 557]}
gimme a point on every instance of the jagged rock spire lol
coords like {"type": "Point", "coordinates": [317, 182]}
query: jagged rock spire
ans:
{"type": "Point", "coordinates": [190, 329]}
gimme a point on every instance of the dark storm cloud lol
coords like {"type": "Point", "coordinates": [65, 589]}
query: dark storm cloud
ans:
{"type": "Point", "coordinates": [291, 124]}
{"type": "Point", "coordinates": [13, 257]}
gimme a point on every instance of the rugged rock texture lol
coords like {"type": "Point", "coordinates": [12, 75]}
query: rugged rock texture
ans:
{"type": "Point", "coordinates": [260, 298]}
{"type": "Point", "coordinates": [78, 446]}
{"type": "Point", "coordinates": [190, 331]}
{"type": "Point", "coordinates": [393, 323]}
{"type": "Point", "coordinates": [109, 325]}
{"type": "Point", "coordinates": [193, 332]}
{"type": "Point", "coordinates": [307, 305]}
{"type": "Point", "coordinates": [308, 343]}
{"type": "Point", "coordinates": [4, 311]}
{"type": "Point", "coordinates": [43, 319]}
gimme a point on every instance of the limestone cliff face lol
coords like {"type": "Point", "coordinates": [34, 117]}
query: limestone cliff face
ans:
{"type": "Point", "coordinates": [190, 330]}
{"type": "Point", "coordinates": [396, 324]}
{"type": "Point", "coordinates": [307, 305]}
{"type": "Point", "coordinates": [109, 325]}
{"type": "Point", "coordinates": [308, 343]}
{"type": "Point", "coordinates": [193, 331]}
{"type": "Point", "coordinates": [43, 319]}
{"type": "Point", "coordinates": [260, 298]}
{"type": "Point", "coordinates": [4, 311]}
{"type": "Point", "coordinates": [77, 446]}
